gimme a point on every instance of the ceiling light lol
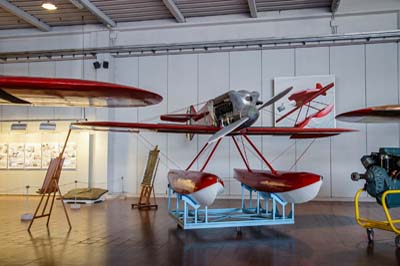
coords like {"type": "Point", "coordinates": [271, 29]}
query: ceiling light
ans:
{"type": "Point", "coordinates": [49, 5]}
{"type": "Point", "coordinates": [19, 126]}
{"type": "Point", "coordinates": [47, 126]}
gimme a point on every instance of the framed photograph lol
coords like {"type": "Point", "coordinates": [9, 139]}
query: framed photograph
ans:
{"type": "Point", "coordinates": [310, 104]}
{"type": "Point", "coordinates": [49, 151]}
{"type": "Point", "coordinates": [33, 156]}
{"type": "Point", "coordinates": [3, 156]}
{"type": "Point", "coordinates": [70, 156]}
{"type": "Point", "coordinates": [16, 156]}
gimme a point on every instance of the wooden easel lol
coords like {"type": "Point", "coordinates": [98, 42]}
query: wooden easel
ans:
{"type": "Point", "coordinates": [50, 188]}
{"type": "Point", "coordinates": [148, 182]}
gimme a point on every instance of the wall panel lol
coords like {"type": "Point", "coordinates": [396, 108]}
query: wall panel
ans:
{"type": "Point", "coordinates": [381, 88]}
{"type": "Point", "coordinates": [244, 73]}
{"type": "Point", "coordinates": [317, 158]}
{"type": "Point", "coordinates": [214, 81]}
{"type": "Point", "coordinates": [153, 75]}
{"type": "Point", "coordinates": [365, 76]}
{"type": "Point", "coordinates": [182, 92]}
{"type": "Point", "coordinates": [348, 64]}
{"type": "Point", "coordinates": [277, 63]}
{"type": "Point", "coordinates": [123, 146]}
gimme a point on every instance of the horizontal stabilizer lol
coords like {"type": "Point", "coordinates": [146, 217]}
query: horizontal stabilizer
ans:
{"type": "Point", "coordinates": [182, 118]}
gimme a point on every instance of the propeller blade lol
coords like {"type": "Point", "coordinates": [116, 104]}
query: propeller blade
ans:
{"type": "Point", "coordinates": [276, 98]}
{"type": "Point", "coordinates": [228, 129]}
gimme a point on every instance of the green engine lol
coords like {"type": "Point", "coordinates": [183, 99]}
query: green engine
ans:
{"type": "Point", "coordinates": [383, 173]}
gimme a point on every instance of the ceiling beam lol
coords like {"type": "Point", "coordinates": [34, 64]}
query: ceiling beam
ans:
{"type": "Point", "coordinates": [16, 11]}
{"type": "Point", "coordinates": [106, 20]}
{"type": "Point", "coordinates": [77, 4]}
{"type": "Point", "coordinates": [170, 4]}
{"type": "Point", "coordinates": [253, 8]}
{"type": "Point", "coordinates": [335, 5]}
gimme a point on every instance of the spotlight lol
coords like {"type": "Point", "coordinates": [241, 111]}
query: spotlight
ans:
{"type": "Point", "coordinates": [96, 65]}
{"type": "Point", "coordinates": [47, 126]}
{"type": "Point", "coordinates": [105, 64]}
{"type": "Point", "coordinates": [49, 5]}
{"type": "Point", "coordinates": [19, 126]}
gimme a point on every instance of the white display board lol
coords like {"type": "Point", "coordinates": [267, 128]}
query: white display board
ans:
{"type": "Point", "coordinates": [36, 155]}
{"type": "Point", "coordinates": [303, 88]}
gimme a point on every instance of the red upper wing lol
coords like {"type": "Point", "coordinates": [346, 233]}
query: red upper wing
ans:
{"type": "Point", "coordinates": [72, 92]}
{"type": "Point", "coordinates": [198, 129]}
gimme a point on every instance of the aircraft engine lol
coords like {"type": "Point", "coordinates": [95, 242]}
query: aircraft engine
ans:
{"type": "Point", "coordinates": [382, 174]}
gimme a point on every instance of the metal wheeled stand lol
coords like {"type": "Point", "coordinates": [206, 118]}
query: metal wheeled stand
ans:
{"type": "Point", "coordinates": [370, 225]}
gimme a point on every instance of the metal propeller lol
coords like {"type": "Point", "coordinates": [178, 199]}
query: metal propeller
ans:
{"type": "Point", "coordinates": [276, 98]}
{"type": "Point", "coordinates": [228, 129]}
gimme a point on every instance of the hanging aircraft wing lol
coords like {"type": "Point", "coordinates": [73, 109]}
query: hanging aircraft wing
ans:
{"type": "Point", "coordinates": [376, 114]}
{"type": "Point", "coordinates": [209, 130]}
{"type": "Point", "coordinates": [72, 92]}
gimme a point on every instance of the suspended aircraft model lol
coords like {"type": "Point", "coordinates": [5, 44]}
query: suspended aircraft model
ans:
{"type": "Point", "coordinates": [36, 91]}
{"type": "Point", "coordinates": [382, 173]}
{"type": "Point", "coordinates": [306, 98]}
{"type": "Point", "coordinates": [231, 114]}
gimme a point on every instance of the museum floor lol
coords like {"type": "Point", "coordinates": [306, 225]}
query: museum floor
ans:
{"type": "Point", "coordinates": [110, 233]}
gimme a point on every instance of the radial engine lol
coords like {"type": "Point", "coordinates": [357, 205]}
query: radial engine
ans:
{"type": "Point", "coordinates": [382, 174]}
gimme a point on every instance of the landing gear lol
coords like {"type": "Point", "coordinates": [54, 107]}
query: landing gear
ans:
{"type": "Point", "coordinates": [370, 234]}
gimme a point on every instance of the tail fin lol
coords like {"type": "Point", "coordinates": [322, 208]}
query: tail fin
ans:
{"type": "Point", "coordinates": [319, 86]}
{"type": "Point", "coordinates": [192, 110]}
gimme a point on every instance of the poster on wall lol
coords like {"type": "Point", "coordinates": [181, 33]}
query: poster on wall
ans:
{"type": "Point", "coordinates": [33, 156]}
{"type": "Point", "coordinates": [310, 104]}
{"type": "Point", "coordinates": [49, 151]}
{"type": "Point", "coordinates": [70, 156]}
{"type": "Point", "coordinates": [16, 155]}
{"type": "Point", "coordinates": [3, 156]}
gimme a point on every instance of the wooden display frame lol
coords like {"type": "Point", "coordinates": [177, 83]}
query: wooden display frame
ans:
{"type": "Point", "coordinates": [50, 188]}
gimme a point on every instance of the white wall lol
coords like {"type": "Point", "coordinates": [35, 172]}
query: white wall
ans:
{"type": "Point", "coordinates": [365, 75]}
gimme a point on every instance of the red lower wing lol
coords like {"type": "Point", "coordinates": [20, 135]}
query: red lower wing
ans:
{"type": "Point", "coordinates": [209, 130]}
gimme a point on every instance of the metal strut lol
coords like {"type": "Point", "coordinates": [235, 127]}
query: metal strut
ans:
{"type": "Point", "coordinates": [208, 158]}
{"type": "Point", "coordinates": [241, 154]}
{"type": "Point", "coordinates": [259, 153]}
{"type": "Point", "coordinates": [211, 154]}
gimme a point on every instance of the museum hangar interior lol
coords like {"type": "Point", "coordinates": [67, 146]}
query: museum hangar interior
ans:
{"type": "Point", "coordinates": [216, 132]}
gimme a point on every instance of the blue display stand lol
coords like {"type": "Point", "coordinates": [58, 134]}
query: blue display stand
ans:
{"type": "Point", "coordinates": [269, 210]}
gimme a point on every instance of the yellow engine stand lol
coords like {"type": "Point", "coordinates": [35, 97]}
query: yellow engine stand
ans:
{"type": "Point", "coordinates": [387, 225]}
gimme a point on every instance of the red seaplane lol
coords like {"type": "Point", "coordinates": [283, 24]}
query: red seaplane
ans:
{"type": "Point", "coordinates": [231, 114]}
{"type": "Point", "coordinates": [304, 98]}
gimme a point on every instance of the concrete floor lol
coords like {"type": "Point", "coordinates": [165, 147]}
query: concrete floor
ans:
{"type": "Point", "coordinates": [110, 233]}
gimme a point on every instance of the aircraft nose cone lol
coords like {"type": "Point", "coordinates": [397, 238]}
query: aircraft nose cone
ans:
{"type": "Point", "coordinates": [251, 112]}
